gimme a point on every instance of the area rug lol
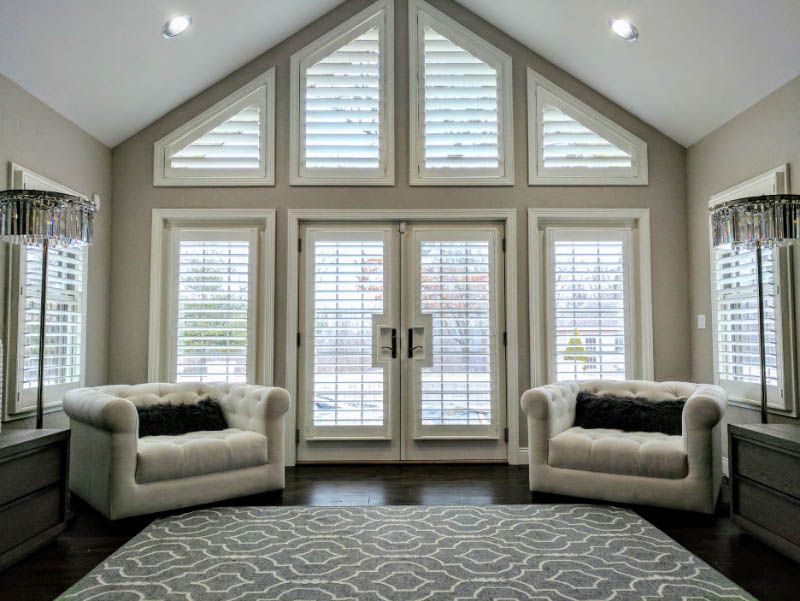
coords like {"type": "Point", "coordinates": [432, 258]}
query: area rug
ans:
{"type": "Point", "coordinates": [505, 552]}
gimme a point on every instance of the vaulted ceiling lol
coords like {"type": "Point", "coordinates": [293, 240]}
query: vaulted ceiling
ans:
{"type": "Point", "coordinates": [105, 66]}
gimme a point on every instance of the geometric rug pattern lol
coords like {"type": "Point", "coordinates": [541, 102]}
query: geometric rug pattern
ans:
{"type": "Point", "coordinates": [404, 553]}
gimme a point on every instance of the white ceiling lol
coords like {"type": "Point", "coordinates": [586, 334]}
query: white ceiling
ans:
{"type": "Point", "coordinates": [697, 63]}
{"type": "Point", "coordinates": [104, 65]}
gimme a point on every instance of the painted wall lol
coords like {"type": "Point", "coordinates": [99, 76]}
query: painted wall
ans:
{"type": "Point", "coordinates": [135, 197]}
{"type": "Point", "coordinates": [764, 136]}
{"type": "Point", "coordinates": [38, 138]}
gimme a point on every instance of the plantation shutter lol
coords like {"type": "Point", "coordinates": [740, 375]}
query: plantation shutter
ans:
{"type": "Point", "coordinates": [64, 326]}
{"type": "Point", "coordinates": [233, 144]}
{"type": "Point", "coordinates": [588, 305]}
{"type": "Point", "coordinates": [461, 110]}
{"type": "Point", "coordinates": [342, 118]}
{"type": "Point", "coordinates": [736, 327]}
{"type": "Point", "coordinates": [348, 291]}
{"type": "Point", "coordinates": [214, 306]}
{"type": "Point", "coordinates": [567, 144]}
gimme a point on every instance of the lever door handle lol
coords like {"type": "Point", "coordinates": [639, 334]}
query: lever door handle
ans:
{"type": "Point", "coordinates": [392, 348]}
{"type": "Point", "coordinates": [411, 347]}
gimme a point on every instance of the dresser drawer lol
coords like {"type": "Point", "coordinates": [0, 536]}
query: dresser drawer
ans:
{"type": "Point", "coordinates": [25, 519]}
{"type": "Point", "coordinates": [770, 467]}
{"type": "Point", "coordinates": [768, 509]}
{"type": "Point", "coordinates": [25, 473]}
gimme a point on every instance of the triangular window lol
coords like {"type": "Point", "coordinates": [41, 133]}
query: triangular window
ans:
{"type": "Point", "coordinates": [343, 116]}
{"type": "Point", "coordinates": [232, 143]}
{"type": "Point", "coordinates": [460, 104]}
{"type": "Point", "coordinates": [572, 144]}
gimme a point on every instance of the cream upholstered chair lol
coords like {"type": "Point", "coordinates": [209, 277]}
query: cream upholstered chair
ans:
{"type": "Point", "coordinates": [121, 475]}
{"type": "Point", "coordinates": [647, 468]}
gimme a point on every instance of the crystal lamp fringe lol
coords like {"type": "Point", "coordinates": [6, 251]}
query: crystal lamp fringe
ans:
{"type": "Point", "coordinates": [772, 220]}
{"type": "Point", "coordinates": [31, 216]}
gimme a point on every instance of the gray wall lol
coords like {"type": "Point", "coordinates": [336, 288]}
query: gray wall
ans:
{"type": "Point", "coordinates": [764, 136]}
{"type": "Point", "coordinates": [135, 197]}
{"type": "Point", "coordinates": [38, 138]}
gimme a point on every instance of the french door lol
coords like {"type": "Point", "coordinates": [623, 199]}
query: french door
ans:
{"type": "Point", "coordinates": [401, 342]}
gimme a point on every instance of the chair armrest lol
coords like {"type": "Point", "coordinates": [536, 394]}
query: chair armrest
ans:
{"type": "Point", "coordinates": [254, 407]}
{"type": "Point", "coordinates": [704, 408]}
{"type": "Point", "coordinates": [553, 404]}
{"type": "Point", "coordinates": [101, 410]}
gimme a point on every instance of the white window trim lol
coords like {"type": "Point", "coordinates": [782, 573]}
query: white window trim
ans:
{"type": "Point", "coordinates": [541, 90]}
{"type": "Point", "coordinates": [774, 181]}
{"type": "Point", "coordinates": [20, 177]}
{"type": "Point", "coordinates": [421, 13]}
{"type": "Point", "coordinates": [592, 232]}
{"type": "Point", "coordinates": [262, 89]}
{"type": "Point", "coordinates": [380, 14]}
{"type": "Point", "coordinates": [165, 220]}
{"type": "Point", "coordinates": [636, 220]}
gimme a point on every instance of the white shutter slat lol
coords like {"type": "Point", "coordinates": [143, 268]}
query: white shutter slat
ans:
{"type": "Point", "coordinates": [348, 291]}
{"type": "Point", "coordinates": [455, 290]}
{"type": "Point", "coordinates": [342, 118]}
{"type": "Point", "coordinates": [212, 326]}
{"type": "Point", "coordinates": [64, 325]}
{"type": "Point", "coordinates": [461, 108]}
{"type": "Point", "coordinates": [588, 305]}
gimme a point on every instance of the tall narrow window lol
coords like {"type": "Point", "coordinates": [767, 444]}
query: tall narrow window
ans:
{"type": "Point", "coordinates": [570, 143]}
{"type": "Point", "coordinates": [213, 309]}
{"type": "Point", "coordinates": [342, 103]}
{"type": "Point", "coordinates": [590, 317]}
{"type": "Point", "coordinates": [64, 330]}
{"type": "Point", "coordinates": [461, 98]}
{"type": "Point", "coordinates": [736, 331]}
{"type": "Point", "coordinates": [230, 144]}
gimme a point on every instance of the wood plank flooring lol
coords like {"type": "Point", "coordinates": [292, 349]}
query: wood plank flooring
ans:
{"type": "Point", "coordinates": [766, 574]}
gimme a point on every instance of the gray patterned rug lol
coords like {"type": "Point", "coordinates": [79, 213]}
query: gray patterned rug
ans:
{"type": "Point", "coordinates": [505, 552]}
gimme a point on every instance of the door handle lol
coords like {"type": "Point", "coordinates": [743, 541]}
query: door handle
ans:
{"type": "Point", "coordinates": [411, 347]}
{"type": "Point", "coordinates": [392, 348]}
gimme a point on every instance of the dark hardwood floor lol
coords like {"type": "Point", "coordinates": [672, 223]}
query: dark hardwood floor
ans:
{"type": "Point", "coordinates": [763, 572]}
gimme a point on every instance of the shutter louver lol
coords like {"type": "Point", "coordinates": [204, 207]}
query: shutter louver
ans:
{"type": "Point", "coordinates": [588, 304]}
{"type": "Point", "coordinates": [212, 311]}
{"type": "Point", "coordinates": [342, 107]}
{"type": "Point", "coordinates": [64, 325]}
{"type": "Point", "coordinates": [455, 290]}
{"type": "Point", "coordinates": [567, 144]}
{"type": "Point", "coordinates": [460, 107]}
{"type": "Point", "coordinates": [736, 314]}
{"type": "Point", "coordinates": [348, 292]}
{"type": "Point", "coordinates": [234, 144]}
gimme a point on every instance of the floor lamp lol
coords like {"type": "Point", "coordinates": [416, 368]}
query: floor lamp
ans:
{"type": "Point", "coordinates": [41, 218]}
{"type": "Point", "coordinates": [757, 222]}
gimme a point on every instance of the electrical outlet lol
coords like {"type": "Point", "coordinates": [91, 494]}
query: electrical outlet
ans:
{"type": "Point", "coordinates": [701, 322]}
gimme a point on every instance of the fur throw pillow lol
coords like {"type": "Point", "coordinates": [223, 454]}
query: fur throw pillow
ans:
{"type": "Point", "coordinates": [169, 420]}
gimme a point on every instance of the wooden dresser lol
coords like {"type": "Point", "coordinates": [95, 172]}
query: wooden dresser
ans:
{"type": "Point", "coordinates": [33, 490]}
{"type": "Point", "coordinates": [764, 462]}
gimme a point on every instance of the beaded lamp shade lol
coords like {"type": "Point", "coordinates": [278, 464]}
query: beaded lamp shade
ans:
{"type": "Point", "coordinates": [772, 220]}
{"type": "Point", "coordinates": [32, 216]}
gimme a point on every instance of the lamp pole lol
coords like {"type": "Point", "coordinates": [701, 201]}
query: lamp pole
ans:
{"type": "Point", "coordinates": [42, 324]}
{"type": "Point", "coordinates": [762, 343]}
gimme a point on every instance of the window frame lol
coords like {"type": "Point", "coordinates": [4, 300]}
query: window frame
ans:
{"type": "Point", "coordinates": [21, 402]}
{"type": "Point", "coordinates": [592, 232]}
{"type": "Point", "coordinates": [165, 224]}
{"type": "Point", "coordinates": [420, 14]}
{"type": "Point", "coordinates": [540, 91]}
{"type": "Point", "coordinates": [637, 221]}
{"type": "Point", "coordinates": [379, 14]}
{"type": "Point", "coordinates": [779, 399]}
{"type": "Point", "coordinates": [262, 89]}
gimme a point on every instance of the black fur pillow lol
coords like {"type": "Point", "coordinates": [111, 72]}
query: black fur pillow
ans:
{"type": "Point", "coordinates": [628, 413]}
{"type": "Point", "coordinates": [169, 420]}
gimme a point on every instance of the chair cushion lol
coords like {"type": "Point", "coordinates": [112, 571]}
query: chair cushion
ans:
{"type": "Point", "coordinates": [616, 452]}
{"type": "Point", "coordinates": [195, 453]}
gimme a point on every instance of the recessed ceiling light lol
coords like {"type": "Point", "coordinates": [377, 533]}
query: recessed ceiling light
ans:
{"type": "Point", "coordinates": [176, 26]}
{"type": "Point", "coordinates": [624, 29]}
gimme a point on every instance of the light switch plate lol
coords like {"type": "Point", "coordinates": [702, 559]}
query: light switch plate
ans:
{"type": "Point", "coordinates": [701, 321]}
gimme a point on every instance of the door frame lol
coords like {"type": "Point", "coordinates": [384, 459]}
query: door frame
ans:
{"type": "Point", "coordinates": [509, 219]}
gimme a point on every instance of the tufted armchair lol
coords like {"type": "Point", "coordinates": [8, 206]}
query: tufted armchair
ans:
{"type": "Point", "coordinates": [121, 475]}
{"type": "Point", "coordinates": [647, 468]}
